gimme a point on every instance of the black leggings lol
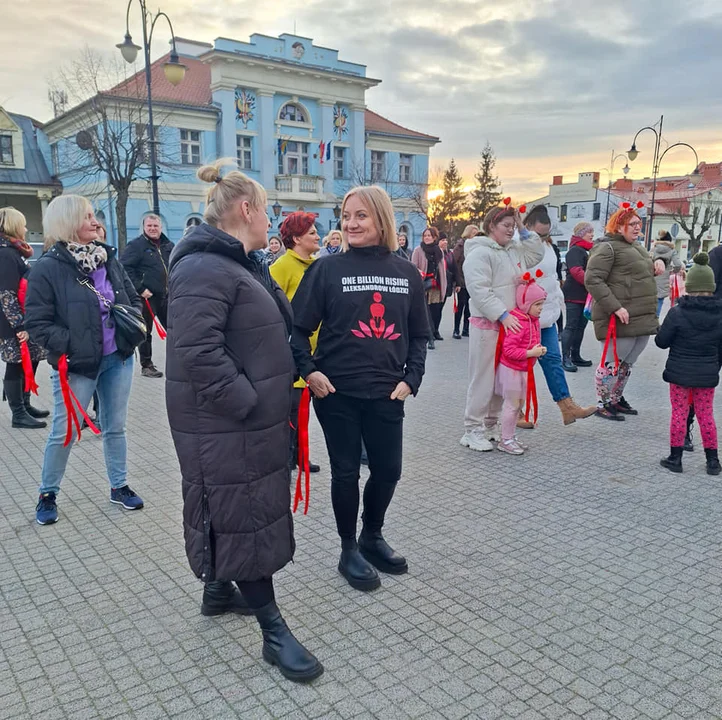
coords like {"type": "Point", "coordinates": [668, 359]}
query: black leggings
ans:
{"type": "Point", "coordinates": [14, 371]}
{"type": "Point", "coordinates": [435, 310]}
{"type": "Point", "coordinates": [345, 421]}
{"type": "Point", "coordinates": [257, 593]}
{"type": "Point", "coordinates": [462, 309]}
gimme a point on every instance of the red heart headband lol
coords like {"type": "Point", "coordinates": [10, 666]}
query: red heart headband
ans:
{"type": "Point", "coordinates": [527, 279]}
{"type": "Point", "coordinates": [627, 206]}
{"type": "Point", "coordinates": [507, 202]}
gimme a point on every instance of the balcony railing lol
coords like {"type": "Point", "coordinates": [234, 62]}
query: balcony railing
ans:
{"type": "Point", "coordinates": [299, 184]}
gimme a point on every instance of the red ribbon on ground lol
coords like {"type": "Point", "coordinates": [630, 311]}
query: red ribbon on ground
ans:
{"type": "Point", "coordinates": [27, 363]}
{"type": "Point", "coordinates": [304, 414]}
{"type": "Point", "coordinates": [70, 401]}
{"type": "Point", "coordinates": [611, 337]}
{"type": "Point", "coordinates": [162, 334]}
{"type": "Point", "coordinates": [531, 396]}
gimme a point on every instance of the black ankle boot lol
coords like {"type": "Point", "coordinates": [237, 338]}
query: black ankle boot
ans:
{"type": "Point", "coordinates": [579, 361]}
{"type": "Point", "coordinates": [280, 647]}
{"type": "Point", "coordinates": [21, 418]}
{"type": "Point", "coordinates": [222, 596]}
{"type": "Point", "coordinates": [688, 444]}
{"type": "Point", "coordinates": [32, 411]}
{"type": "Point", "coordinates": [380, 554]}
{"type": "Point", "coordinates": [568, 365]}
{"type": "Point", "coordinates": [713, 466]}
{"type": "Point", "coordinates": [673, 463]}
{"type": "Point", "coordinates": [357, 571]}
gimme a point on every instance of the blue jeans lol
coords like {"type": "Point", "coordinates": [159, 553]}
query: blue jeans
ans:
{"type": "Point", "coordinates": [660, 304]}
{"type": "Point", "coordinates": [551, 364]}
{"type": "Point", "coordinates": [115, 377]}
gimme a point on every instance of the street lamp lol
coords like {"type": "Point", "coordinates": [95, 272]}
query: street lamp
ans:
{"type": "Point", "coordinates": [337, 211]}
{"type": "Point", "coordinates": [174, 72]}
{"type": "Point", "coordinates": [610, 173]}
{"type": "Point", "coordinates": [276, 207]}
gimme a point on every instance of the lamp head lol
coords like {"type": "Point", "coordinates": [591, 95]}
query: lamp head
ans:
{"type": "Point", "coordinates": [128, 49]}
{"type": "Point", "coordinates": [625, 169]}
{"type": "Point", "coordinates": [337, 211]}
{"type": "Point", "coordinates": [276, 207]}
{"type": "Point", "coordinates": [633, 152]}
{"type": "Point", "coordinates": [174, 70]}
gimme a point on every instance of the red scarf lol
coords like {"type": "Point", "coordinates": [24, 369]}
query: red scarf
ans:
{"type": "Point", "coordinates": [20, 245]}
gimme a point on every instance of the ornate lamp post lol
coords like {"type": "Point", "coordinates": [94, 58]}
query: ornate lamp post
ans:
{"type": "Point", "coordinates": [276, 207]}
{"type": "Point", "coordinates": [174, 72]}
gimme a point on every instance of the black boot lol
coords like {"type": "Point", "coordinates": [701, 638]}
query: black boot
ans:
{"type": "Point", "coordinates": [34, 412]}
{"type": "Point", "coordinates": [380, 554]}
{"type": "Point", "coordinates": [357, 571]}
{"type": "Point", "coordinates": [579, 361]}
{"type": "Point", "coordinates": [688, 444]}
{"type": "Point", "coordinates": [437, 335]}
{"type": "Point", "coordinates": [673, 463]}
{"type": "Point", "coordinates": [280, 647]}
{"type": "Point", "coordinates": [431, 345]}
{"type": "Point", "coordinates": [713, 466]}
{"type": "Point", "coordinates": [568, 365]}
{"type": "Point", "coordinates": [222, 596]}
{"type": "Point", "coordinates": [21, 418]}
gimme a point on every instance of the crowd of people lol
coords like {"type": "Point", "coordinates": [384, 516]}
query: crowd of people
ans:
{"type": "Point", "coordinates": [260, 331]}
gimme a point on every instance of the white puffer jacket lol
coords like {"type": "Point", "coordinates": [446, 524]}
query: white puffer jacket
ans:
{"type": "Point", "coordinates": [554, 303]}
{"type": "Point", "coordinates": [492, 272]}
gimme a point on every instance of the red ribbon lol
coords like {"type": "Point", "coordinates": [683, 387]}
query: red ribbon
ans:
{"type": "Point", "coordinates": [531, 397]}
{"type": "Point", "coordinates": [456, 305]}
{"type": "Point", "coordinates": [304, 414]}
{"type": "Point", "coordinates": [27, 363]}
{"type": "Point", "coordinates": [70, 401]}
{"type": "Point", "coordinates": [162, 334]}
{"type": "Point", "coordinates": [611, 337]}
{"type": "Point", "coordinates": [674, 296]}
{"type": "Point", "coordinates": [499, 345]}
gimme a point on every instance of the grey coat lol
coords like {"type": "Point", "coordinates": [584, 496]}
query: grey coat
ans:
{"type": "Point", "coordinates": [228, 393]}
{"type": "Point", "coordinates": [666, 252]}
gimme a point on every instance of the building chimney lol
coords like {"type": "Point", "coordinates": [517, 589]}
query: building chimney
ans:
{"type": "Point", "coordinates": [623, 184]}
{"type": "Point", "coordinates": [557, 180]}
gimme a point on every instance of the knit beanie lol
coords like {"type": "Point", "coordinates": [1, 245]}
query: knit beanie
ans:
{"type": "Point", "coordinates": [529, 291]}
{"type": "Point", "coordinates": [700, 277]}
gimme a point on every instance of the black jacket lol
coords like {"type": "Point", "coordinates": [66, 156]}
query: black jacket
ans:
{"type": "Point", "coordinates": [692, 331]}
{"type": "Point", "coordinates": [371, 307]}
{"type": "Point", "coordinates": [715, 262]}
{"type": "Point", "coordinates": [147, 264]}
{"type": "Point", "coordinates": [12, 269]}
{"type": "Point", "coordinates": [63, 316]}
{"type": "Point", "coordinates": [229, 373]}
{"type": "Point", "coordinates": [577, 257]}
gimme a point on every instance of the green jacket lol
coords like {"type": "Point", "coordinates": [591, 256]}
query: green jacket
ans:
{"type": "Point", "coordinates": [621, 275]}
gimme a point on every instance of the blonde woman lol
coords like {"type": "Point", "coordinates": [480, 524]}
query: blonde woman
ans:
{"type": "Point", "coordinates": [229, 375]}
{"type": "Point", "coordinates": [370, 357]}
{"type": "Point", "coordinates": [14, 254]}
{"type": "Point", "coordinates": [331, 244]}
{"type": "Point", "coordinates": [72, 322]}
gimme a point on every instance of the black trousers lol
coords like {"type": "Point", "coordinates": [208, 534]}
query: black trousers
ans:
{"type": "Point", "coordinates": [257, 593]}
{"type": "Point", "coordinates": [435, 310]}
{"type": "Point", "coordinates": [14, 371]}
{"type": "Point", "coordinates": [462, 309]}
{"type": "Point", "coordinates": [345, 421]}
{"type": "Point", "coordinates": [574, 330]}
{"type": "Point", "coordinates": [160, 309]}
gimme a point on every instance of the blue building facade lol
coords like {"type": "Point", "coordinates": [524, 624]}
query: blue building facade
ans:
{"type": "Point", "coordinates": [292, 114]}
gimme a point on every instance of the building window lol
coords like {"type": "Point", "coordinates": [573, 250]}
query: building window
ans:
{"type": "Point", "coordinates": [378, 166]}
{"type": "Point", "coordinates": [55, 157]}
{"type": "Point", "coordinates": [294, 161]}
{"type": "Point", "coordinates": [143, 135]}
{"type": "Point", "coordinates": [244, 152]}
{"type": "Point", "coordinates": [293, 113]}
{"type": "Point", "coordinates": [563, 213]}
{"type": "Point", "coordinates": [6, 150]}
{"type": "Point", "coordinates": [405, 168]}
{"type": "Point", "coordinates": [339, 162]}
{"type": "Point", "coordinates": [597, 211]}
{"type": "Point", "coordinates": [190, 147]}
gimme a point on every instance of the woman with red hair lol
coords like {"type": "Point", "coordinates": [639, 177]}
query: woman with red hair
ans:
{"type": "Point", "coordinates": [301, 240]}
{"type": "Point", "coordinates": [620, 278]}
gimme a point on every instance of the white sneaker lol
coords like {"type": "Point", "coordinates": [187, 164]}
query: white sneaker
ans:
{"type": "Point", "coordinates": [511, 447]}
{"type": "Point", "coordinates": [475, 440]}
{"type": "Point", "coordinates": [493, 433]}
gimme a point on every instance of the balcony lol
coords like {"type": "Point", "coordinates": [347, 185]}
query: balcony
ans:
{"type": "Point", "coordinates": [304, 187]}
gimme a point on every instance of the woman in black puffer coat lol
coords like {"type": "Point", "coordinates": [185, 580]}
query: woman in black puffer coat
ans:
{"type": "Point", "coordinates": [229, 375]}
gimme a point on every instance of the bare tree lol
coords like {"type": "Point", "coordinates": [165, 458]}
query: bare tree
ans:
{"type": "Point", "coordinates": [695, 223]}
{"type": "Point", "coordinates": [105, 132]}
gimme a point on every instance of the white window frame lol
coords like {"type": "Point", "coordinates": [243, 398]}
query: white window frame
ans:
{"type": "Point", "coordinates": [244, 151]}
{"type": "Point", "coordinates": [406, 168]}
{"type": "Point", "coordinates": [299, 110]}
{"type": "Point", "coordinates": [3, 152]}
{"type": "Point", "coordinates": [339, 162]}
{"type": "Point", "coordinates": [378, 165]}
{"type": "Point", "coordinates": [296, 156]}
{"type": "Point", "coordinates": [190, 147]}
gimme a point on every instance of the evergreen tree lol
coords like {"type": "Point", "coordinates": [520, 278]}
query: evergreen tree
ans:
{"type": "Point", "coordinates": [445, 211]}
{"type": "Point", "coordinates": [487, 193]}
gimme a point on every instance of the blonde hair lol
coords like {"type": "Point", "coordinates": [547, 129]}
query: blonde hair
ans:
{"type": "Point", "coordinates": [327, 239]}
{"type": "Point", "coordinates": [470, 231]}
{"type": "Point", "coordinates": [228, 189]}
{"type": "Point", "coordinates": [581, 228]}
{"type": "Point", "coordinates": [12, 223]}
{"type": "Point", "coordinates": [63, 218]}
{"type": "Point", "coordinates": [378, 203]}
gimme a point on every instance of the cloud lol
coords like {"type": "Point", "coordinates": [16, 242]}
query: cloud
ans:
{"type": "Point", "coordinates": [547, 83]}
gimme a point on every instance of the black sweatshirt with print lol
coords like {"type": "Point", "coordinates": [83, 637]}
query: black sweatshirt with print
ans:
{"type": "Point", "coordinates": [372, 311]}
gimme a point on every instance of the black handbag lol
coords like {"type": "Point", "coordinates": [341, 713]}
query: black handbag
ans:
{"type": "Point", "coordinates": [130, 327]}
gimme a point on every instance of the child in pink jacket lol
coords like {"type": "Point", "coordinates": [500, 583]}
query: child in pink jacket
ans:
{"type": "Point", "coordinates": [519, 351]}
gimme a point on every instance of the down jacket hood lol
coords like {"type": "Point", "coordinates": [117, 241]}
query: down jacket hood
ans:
{"type": "Point", "coordinates": [206, 238]}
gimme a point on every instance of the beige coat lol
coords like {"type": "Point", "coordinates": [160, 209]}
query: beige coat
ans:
{"type": "Point", "coordinates": [492, 272]}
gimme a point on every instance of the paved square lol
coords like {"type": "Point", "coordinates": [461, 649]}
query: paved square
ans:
{"type": "Point", "coordinates": [580, 580]}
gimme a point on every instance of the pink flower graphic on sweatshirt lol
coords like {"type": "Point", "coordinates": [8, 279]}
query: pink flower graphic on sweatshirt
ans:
{"type": "Point", "coordinates": [376, 326]}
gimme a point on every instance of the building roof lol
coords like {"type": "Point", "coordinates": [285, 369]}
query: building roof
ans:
{"type": "Point", "coordinates": [195, 89]}
{"type": "Point", "coordinates": [36, 171]}
{"type": "Point", "coordinates": [376, 123]}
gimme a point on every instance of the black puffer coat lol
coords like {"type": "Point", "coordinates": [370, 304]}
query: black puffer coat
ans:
{"type": "Point", "coordinates": [228, 393]}
{"type": "Point", "coordinates": [147, 262]}
{"type": "Point", "coordinates": [692, 331]}
{"type": "Point", "coordinates": [63, 316]}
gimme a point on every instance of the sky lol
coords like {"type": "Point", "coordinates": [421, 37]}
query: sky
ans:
{"type": "Point", "coordinates": [553, 85]}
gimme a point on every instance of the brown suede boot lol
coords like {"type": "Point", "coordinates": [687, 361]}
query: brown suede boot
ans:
{"type": "Point", "coordinates": [571, 412]}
